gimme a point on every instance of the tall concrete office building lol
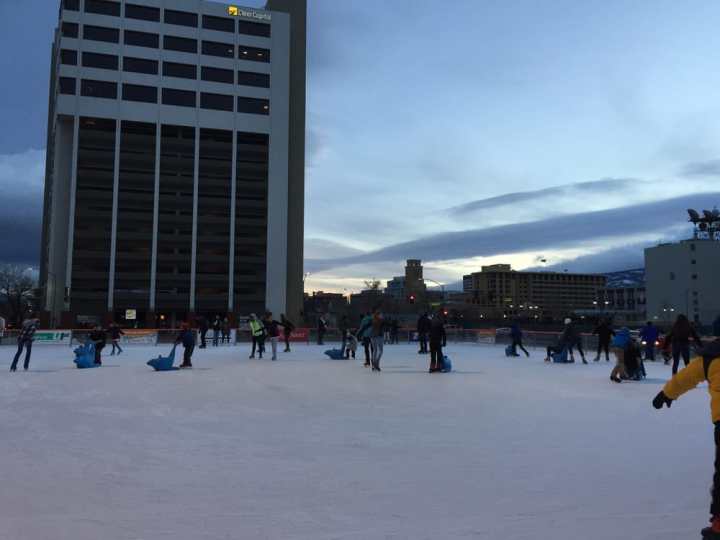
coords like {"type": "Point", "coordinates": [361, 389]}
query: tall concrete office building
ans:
{"type": "Point", "coordinates": [175, 161]}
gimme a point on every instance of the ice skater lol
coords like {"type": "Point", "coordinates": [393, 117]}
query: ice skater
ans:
{"type": "Point", "coordinates": [217, 326]}
{"type": "Point", "coordinates": [288, 328]}
{"type": "Point", "coordinates": [351, 344]}
{"type": "Point", "coordinates": [25, 341]}
{"type": "Point", "coordinates": [620, 344]}
{"type": "Point", "coordinates": [257, 333]}
{"type": "Point", "coordinates": [649, 334]}
{"type": "Point", "coordinates": [377, 340]}
{"type": "Point", "coordinates": [679, 339]}
{"type": "Point", "coordinates": [605, 334]}
{"type": "Point", "coordinates": [203, 326]}
{"type": "Point", "coordinates": [2, 328]}
{"type": "Point", "coordinates": [187, 338]}
{"type": "Point", "coordinates": [423, 327]}
{"type": "Point", "coordinates": [517, 336]}
{"type": "Point", "coordinates": [705, 367]}
{"type": "Point", "coordinates": [272, 331]}
{"type": "Point", "coordinates": [225, 331]}
{"type": "Point", "coordinates": [364, 335]}
{"type": "Point", "coordinates": [321, 329]}
{"type": "Point", "coordinates": [115, 334]}
{"type": "Point", "coordinates": [438, 340]}
{"type": "Point", "coordinates": [98, 337]}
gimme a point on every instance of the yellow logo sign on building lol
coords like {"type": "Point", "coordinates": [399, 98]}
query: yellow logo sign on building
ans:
{"type": "Point", "coordinates": [233, 11]}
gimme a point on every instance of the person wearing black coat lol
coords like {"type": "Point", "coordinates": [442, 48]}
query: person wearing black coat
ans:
{"type": "Point", "coordinates": [288, 328]}
{"type": "Point", "coordinates": [438, 340]}
{"type": "Point", "coordinates": [321, 329]}
{"type": "Point", "coordinates": [99, 338]}
{"type": "Point", "coordinates": [25, 341]}
{"type": "Point", "coordinates": [203, 327]}
{"type": "Point", "coordinates": [115, 334]}
{"type": "Point", "coordinates": [605, 334]}
{"type": "Point", "coordinates": [679, 339]}
{"type": "Point", "coordinates": [187, 338]}
{"type": "Point", "coordinates": [423, 327]}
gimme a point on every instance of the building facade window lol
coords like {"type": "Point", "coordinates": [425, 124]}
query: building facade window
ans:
{"type": "Point", "coordinates": [71, 5]}
{"type": "Point", "coordinates": [135, 205]}
{"type": "Point", "coordinates": [179, 98]}
{"type": "Point", "coordinates": [253, 29]}
{"type": "Point", "coordinates": [68, 57]}
{"type": "Point", "coordinates": [174, 43]}
{"type": "Point", "coordinates": [217, 75]}
{"type": "Point", "coordinates": [143, 13]}
{"type": "Point", "coordinates": [218, 102]}
{"type": "Point", "coordinates": [101, 33]}
{"type": "Point", "coordinates": [181, 71]}
{"type": "Point", "coordinates": [137, 92]}
{"type": "Point", "coordinates": [249, 78]}
{"type": "Point", "coordinates": [98, 89]}
{"type": "Point", "coordinates": [69, 30]}
{"type": "Point", "coordinates": [253, 54]}
{"type": "Point", "coordinates": [253, 105]}
{"type": "Point", "coordinates": [100, 61]}
{"type": "Point", "coordinates": [67, 85]}
{"type": "Point", "coordinates": [103, 7]}
{"type": "Point", "coordinates": [221, 24]}
{"type": "Point", "coordinates": [140, 65]}
{"type": "Point", "coordinates": [181, 18]}
{"type": "Point", "coordinates": [141, 39]}
{"type": "Point", "coordinates": [213, 48]}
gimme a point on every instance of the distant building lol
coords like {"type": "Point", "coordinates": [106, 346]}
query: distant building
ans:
{"type": "Point", "coordinates": [410, 285]}
{"type": "Point", "coordinates": [396, 287]}
{"type": "Point", "coordinates": [683, 278]}
{"type": "Point", "coordinates": [623, 297]}
{"type": "Point", "coordinates": [500, 291]}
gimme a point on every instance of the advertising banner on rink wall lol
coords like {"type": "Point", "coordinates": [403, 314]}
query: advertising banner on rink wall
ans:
{"type": "Point", "coordinates": [486, 337]}
{"type": "Point", "coordinates": [139, 337]}
{"type": "Point", "coordinates": [300, 334]}
{"type": "Point", "coordinates": [52, 337]}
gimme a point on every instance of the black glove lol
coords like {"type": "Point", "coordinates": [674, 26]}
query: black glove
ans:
{"type": "Point", "coordinates": [660, 400]}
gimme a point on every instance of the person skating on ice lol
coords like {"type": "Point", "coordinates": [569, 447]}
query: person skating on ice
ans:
{"type": "Point", "coordinates": [98, 337]}
{"type": "Point", "coordinates": [364, 335]}
{"type": "Point", "coordinates": [216, 327]}
{"type": "Point", "coordinates": [25, 341]}
{"type": "Point", "coordinates": [351, 344]}
{"type": "Point", "coordinates": [679, 339]}
{"type": "Point", "coordinates": [438, 340]}
{"type": "Point", "coordinates": [620, 344]}
{"type": "Point", "coordinates": [321, 329]}
{"type": "Point", "coordinates": [257, 333]}
{"type": "Point", "coordinates": [423, 327]}
{"type": "Point", "coordinates": [517, 336]}
{"type": "Point", "coordinates": [605, 334]}
{"type": "Point", "coordinates": [705, 367]}
{"type": "Point", "coordinates": [377, 340]}
{"type": "Point", "coordinates": [288, 328]}
{"type": "Point", "coordinates": [272, 331]}
{"type": "Point", "coordinates": [115, 334]}
{"type": "Point", "coordinates": [203, 326]}
{"type": "Point", "coordinates": [187, 338]}
{"type": "Point", "coordinates": [568, 339]}
{"type": "Point", "coordinates": [649, 334]}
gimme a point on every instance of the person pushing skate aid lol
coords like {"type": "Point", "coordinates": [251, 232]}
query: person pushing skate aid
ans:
{"type": "Point", "coordinates": [705, 367]}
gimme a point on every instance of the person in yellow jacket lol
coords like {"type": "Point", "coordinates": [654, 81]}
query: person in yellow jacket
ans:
{"type": "Point", "coordinates": [705, 367]}
{"type": "Point", "coordinates": [257, 332]}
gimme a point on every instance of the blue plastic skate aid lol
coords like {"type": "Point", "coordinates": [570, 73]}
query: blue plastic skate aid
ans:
{"type": "Point", "coordinates": [561, 357]}
{"type": "Point", "coordinates": [335, 354]}
{"type": "Point", "coordinates": [163, 363]}
{"type": "Point", "coordinates": [447, 364]}
{"type": "Point", "coordinates": [85, 356]}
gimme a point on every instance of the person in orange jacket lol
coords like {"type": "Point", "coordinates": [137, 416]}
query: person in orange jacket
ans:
{"type": "Point", "coordinates": [705, 367]}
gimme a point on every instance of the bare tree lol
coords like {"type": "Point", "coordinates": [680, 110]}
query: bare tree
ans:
{"type": "Point", "coordinates": [16, 291]}
{"type": "Point", "coordinates": [372, 284]}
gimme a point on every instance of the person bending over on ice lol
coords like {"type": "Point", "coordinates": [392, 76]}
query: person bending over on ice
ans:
{"type": "Point", "coordinates": [98, 337]}
{"type": "Point", "coordinates": [705, 367]}
{"type": "Point", "coordinates": [568, 339]}
{"type": "Point", "coordinates": [187, 338]}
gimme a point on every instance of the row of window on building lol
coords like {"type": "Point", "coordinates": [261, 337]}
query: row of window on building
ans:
{"type": "Point", "coordinates": [170, 43]}
{"type": "Point", "coordinates": [170, 96]}
{"type": "Point", "coordinates": [170, 16]}
{"type": "Point", "coordinates": [169, 69]}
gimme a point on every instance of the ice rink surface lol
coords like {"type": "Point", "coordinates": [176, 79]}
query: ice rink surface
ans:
{"type": "Point", "coordinates": [309, 448]}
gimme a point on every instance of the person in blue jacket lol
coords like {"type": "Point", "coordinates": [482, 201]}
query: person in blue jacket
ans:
{"type": "Point", "coordinates": [517, 335]}
{"type": "Point", "coordinates": [187, 338]}
{"type": "Point", "coordinates": [620, 343]}
{"type": "Point", "coordinates": [649, 335]}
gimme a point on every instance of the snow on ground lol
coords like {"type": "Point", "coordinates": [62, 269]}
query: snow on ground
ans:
{"type": "Point", "coordinates": [313, 449]}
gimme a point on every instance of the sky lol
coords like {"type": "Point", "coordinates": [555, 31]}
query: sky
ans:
{"type": "Point", "coordinates": [462, 133]}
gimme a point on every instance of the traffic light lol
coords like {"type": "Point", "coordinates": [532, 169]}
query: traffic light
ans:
{"type": "Point", "coordinates": [411, 298]}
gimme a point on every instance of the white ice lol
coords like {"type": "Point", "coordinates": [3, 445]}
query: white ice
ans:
{"type": "Point", "coordinates": [310, 448]}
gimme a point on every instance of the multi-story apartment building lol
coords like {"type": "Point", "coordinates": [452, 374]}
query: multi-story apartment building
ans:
{"type": "Point", "coordinates": [175, 162]}
{"type": "Point", "coordinates": [501, 291]}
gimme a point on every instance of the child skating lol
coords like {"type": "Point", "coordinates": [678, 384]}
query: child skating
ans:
{"type": "Point", "coordinates": [703, 368]}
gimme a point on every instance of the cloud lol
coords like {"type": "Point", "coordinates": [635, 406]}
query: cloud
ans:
{"type": "Point", "coordinates": [597, 187]}
{"type": "Point", "coordinates": [22, 178]}
{"type": "Point", "coordinates": [654, 218]}
{"type": "Point", "coordinates": [320, 248]}
{"type": "Point", "coordinates": [702, 168]}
